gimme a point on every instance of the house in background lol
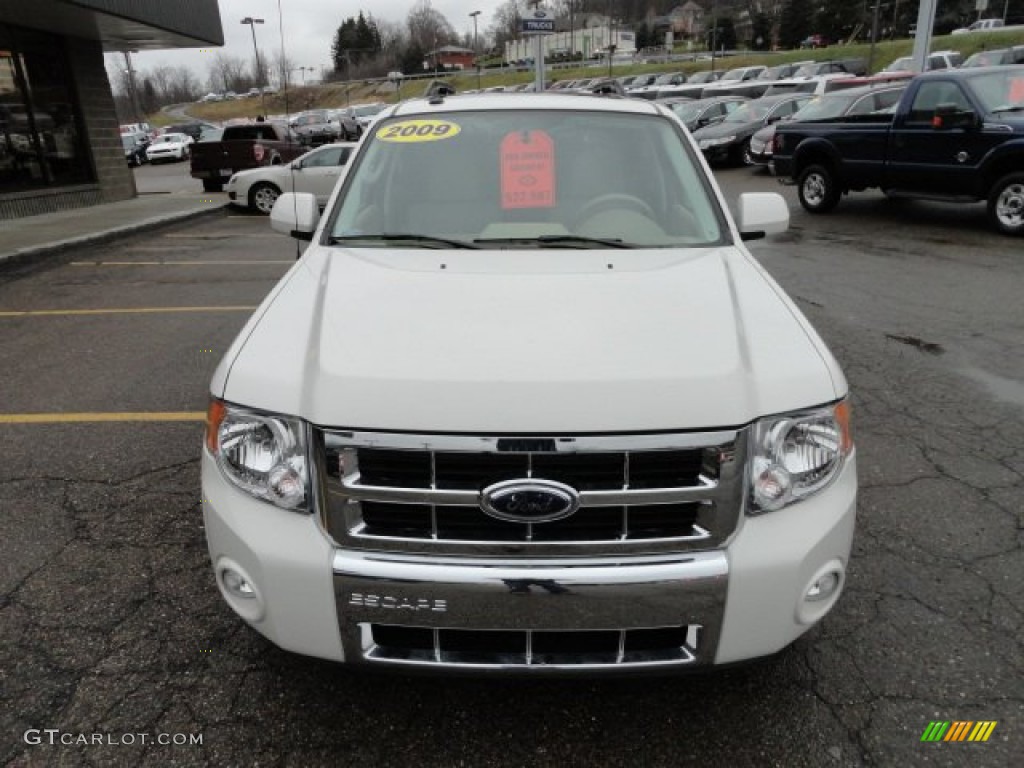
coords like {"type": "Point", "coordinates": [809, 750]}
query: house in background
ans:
{"type": "Point", "coordinates": [450, 57]}
{"type": "Point", "coordinates": [59, 141]}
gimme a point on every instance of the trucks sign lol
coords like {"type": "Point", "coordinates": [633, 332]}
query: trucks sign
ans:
{"type": "Point", "coordinates": [538, 23]}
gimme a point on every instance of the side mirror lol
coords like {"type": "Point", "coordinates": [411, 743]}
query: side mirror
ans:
{"type": "Point", "coordinates": [760, 214]}
{"type": "Point", "coordinates": [295, 214]}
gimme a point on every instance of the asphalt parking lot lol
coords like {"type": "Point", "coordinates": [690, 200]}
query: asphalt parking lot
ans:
{"type": "Point", "coordinates": [111, 624]}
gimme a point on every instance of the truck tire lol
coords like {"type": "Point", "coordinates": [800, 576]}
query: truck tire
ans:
{"type": "Point", "coordinates": [817, 189]}
{"type": "Point", "coordinates": [262, 197]}
{"type": "Point", "coordinates": [1006, 204]}
{"type": "Point", "coordinates": [213, 185]}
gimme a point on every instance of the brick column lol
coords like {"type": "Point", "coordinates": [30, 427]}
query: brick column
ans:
{"type": "Point", "coordinates": [102, 136]}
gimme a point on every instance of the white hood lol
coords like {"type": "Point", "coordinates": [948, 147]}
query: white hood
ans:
{"type": "Point", "coordinates": [522, 341]}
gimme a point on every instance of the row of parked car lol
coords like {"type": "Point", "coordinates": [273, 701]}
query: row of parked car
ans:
{"type": "Point", "coordinates": [320, 126]}
{"type": "Point", "coordinates": [143, 144]}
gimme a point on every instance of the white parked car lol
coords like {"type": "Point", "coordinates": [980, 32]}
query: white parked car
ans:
{"type": "Point", "coordinates": [366, 114]}
{"type": "Point", "coordinates": [981, 25]}
{"type": "Point", "coordinates": [315, 172]}
{"type": "Point", "coordinates": [528, 404]}
{"type": "Point", "coordinates": [169, 146]}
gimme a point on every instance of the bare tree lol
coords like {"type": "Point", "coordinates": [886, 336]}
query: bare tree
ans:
{"type": "Point", "coordinates": [227, 73]}
{"type": "Point", "coordinates": [428, 28]}
{"type": "Point", "coordinates": [505, 24]}
{"type": "Point", "coordinates": [280, 69]}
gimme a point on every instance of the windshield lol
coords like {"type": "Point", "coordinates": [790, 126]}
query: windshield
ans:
{"type": "Point", "coordinates": [526, 179]}
{"type": "Point", "coordinates": [665, 79]}
{"type": "Point", "coordinates": [900, 65]}
{"type": "Point", "coordinates": [369, 109]}
{"type": "Point", "coordinates": [807, 70]}
{"type": "Point", "coordinates": [734, 74]}
{"type": "Point", "coordinates": [687, 110]}
{"type": "Point", "coordinates": [824, 107]}
{"type": "Point", "coordinates": [1001, 91]}
{"type": "Point", "coordinates": [773, 73]}
{"type": "Point", "coordinates": [750, 112]}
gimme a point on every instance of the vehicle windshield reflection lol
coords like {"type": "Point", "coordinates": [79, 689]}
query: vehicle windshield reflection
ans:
{"type": "Point", "coordinates": [528, 179]}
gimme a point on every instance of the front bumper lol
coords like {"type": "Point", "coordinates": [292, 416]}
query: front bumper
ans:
{"type": "Point", "coordinates": [745, 601]}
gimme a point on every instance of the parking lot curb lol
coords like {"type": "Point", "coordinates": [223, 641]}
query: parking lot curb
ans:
{"type": "Point", "coordinates": [33, 253]}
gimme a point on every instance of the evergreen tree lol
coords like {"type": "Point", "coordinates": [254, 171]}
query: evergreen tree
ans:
{"type": "Point", "coordinates": [722, 34]}
{"type": "Point", "coordinates": [345, 39]}
{"type": "Point", "coordinates": [837, 20]}
{"type": "Point", "coordinates": [761, 32]}
{"type": "Point", "coordinates": [794, 23]}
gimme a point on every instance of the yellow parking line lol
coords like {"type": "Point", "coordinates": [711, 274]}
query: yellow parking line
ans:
{"type": "Point", "coordinates": [87, 417]}
{"type": "Point", "coordinates": [180, 263]}
{"type": "Point", "coordinates": [120, 311]}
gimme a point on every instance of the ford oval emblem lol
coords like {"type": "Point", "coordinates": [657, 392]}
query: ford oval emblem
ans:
{"type": "Point", "coordinates": [529, 501]}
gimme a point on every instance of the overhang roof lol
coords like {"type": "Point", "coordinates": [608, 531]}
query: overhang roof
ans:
{"type": "Point", "coordinates": [122, 25]}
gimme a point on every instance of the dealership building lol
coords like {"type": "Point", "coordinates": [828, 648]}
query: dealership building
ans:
{"type": "Point", "coordinates": [60, 145]}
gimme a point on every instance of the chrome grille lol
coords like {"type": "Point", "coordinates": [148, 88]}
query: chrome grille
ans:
{"type": "Point", "coordinates": [531, 648]}
{"type": "Point", "coordinates": [422, 493]}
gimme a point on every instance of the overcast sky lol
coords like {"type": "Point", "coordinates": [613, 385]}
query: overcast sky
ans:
{"type": "Point", "coordinates": [309, 27]}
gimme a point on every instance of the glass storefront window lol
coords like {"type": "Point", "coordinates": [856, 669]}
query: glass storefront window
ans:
{"type": "Point", "coordinates": [41, 139]}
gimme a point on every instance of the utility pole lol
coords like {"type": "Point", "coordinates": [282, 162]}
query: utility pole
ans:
{"type": "Point", "coordinates": [132, 96]}
{"type": "Point", "coordinates": [874, 37]}
{"type": "Point", "coordinates": [476, 49]}
{"type": "Point", "coordinates": [259, 69]}
{"type": "Point", "coordinates": [923, 37]}
{"type": "Point", "coordinates": [714, 32]}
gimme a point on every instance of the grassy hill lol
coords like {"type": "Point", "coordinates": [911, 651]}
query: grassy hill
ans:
{"type": "Point", "coordinates": [335, 95]}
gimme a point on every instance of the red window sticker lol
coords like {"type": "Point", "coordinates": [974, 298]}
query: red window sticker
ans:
{"type": "Point", "coordinates": [527, 170]}
{"type": "Point", "coordinates": [1016, 90]}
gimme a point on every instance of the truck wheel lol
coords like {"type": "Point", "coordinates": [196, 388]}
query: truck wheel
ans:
{"type": "Point", "coordinates": [817, 189]}
{"type": "Point", "coordinates": [263, 196]}
{"type": "Point", "coordinates": [1006, 204]}
{"type": "Point", "coordinates": [213, 185]}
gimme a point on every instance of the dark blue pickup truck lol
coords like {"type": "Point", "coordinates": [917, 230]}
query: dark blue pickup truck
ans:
{"type": "Point", "coordinates": [955, 136]}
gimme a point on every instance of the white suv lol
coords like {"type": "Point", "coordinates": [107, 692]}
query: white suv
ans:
{"type": "Point", "coordinates": [528, 404]}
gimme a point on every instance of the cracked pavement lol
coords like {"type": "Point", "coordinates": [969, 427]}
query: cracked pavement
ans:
{"type": "Point", "coordinates": [110, 621]}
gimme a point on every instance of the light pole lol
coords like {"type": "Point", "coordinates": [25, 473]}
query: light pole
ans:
{"type": "Point", "coordinates": [259, 70]}
{"type": "Point", "coordinates": [476, 49]}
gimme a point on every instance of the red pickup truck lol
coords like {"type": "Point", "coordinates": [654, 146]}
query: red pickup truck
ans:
{"type": "Point", "coordinates": [241, 147]}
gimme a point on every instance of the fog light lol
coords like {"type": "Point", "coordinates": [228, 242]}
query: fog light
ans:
{"type": "Point", "coordinates": [820, 592]}
{"type": "Point", "coordinates": [240, 590]}
{"type": "Point", "coordinates": [237, 585]}
{"type": "Point", "coordinates": [823, 588]}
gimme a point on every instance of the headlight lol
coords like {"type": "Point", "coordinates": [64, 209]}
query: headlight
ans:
{"type": "Point", "coordinates": [795, 455]}
{"type": "Point", "coordinates": [706, 143]}
{"type": "Point", "coordinates": [263, 454]}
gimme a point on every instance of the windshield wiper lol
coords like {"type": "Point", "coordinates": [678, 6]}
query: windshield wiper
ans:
{"type": "Point", "coordinates": [569, 241]}
{"type": "Point", "coordinates": [398, 237]}
{"type": "Point", "coordinates": [1009, 108]}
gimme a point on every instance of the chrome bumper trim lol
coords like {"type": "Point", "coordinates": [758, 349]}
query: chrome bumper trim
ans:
{"type": "Point", "coordinates": [607, 594]}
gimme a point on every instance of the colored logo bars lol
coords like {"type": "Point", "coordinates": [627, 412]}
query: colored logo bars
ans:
{"type": "Point", "coordinates": [960, 730]}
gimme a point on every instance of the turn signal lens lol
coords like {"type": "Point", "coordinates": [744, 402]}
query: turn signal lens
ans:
{"type": "Point", "coordinates": [214, 417]}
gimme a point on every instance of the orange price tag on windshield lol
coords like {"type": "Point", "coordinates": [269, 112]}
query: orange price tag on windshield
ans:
{"type": "Point", "coordinates": [1016, 90]}
{"type": "Point", "coordinates": [527, 170]}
